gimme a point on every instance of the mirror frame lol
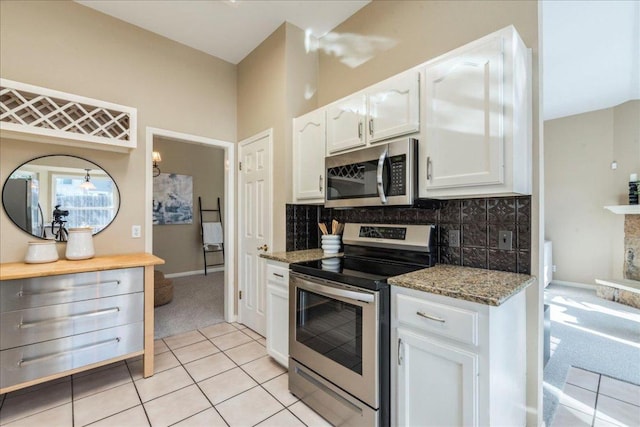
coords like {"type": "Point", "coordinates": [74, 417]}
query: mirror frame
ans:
{"type": "Point", "coordinates": [115, 184]}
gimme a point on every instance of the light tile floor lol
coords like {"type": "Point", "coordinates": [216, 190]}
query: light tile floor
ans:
{"type": "Point", "coordinates": [220, 375]}
{"type": "Point", "coordinates": [592, 399]}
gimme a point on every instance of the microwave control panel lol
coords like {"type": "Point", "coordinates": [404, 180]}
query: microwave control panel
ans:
{"type": "Point", "coordinates": [398, 182]}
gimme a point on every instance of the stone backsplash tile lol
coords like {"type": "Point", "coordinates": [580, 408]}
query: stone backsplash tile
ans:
{"type": "Point", "coordinates": [478, 220]}
{"type": "Point", "coordinates": [474, 235]}
{"type": "Point", "coordinates": [474, 257]}
{"type": "Point", "coordinates": [501, 210]}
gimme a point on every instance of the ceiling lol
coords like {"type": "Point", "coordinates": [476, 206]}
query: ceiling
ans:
{"type": "Point", "coordinates": [591, 49]}
{"type": "Point", "coordinates": [228, 29]}
{"type": "Point", "coordinates": [591, 55]}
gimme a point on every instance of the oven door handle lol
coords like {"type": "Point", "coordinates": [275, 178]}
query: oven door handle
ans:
{"type": "Point", "coordinates": [336, 292]}
{"type": "Point", "coordinates": [379, 180]}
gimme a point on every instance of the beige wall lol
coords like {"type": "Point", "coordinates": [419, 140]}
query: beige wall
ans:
{"type": "Point", "coordinates": [65, 46]}
{"type": "Point", "coordinates": [422, 30]}
{"type": "Point", "coordinates": [180, 244]}
{"type": "Point", "coordinates": [588, 241]}
{"type": "Point", "coordinates": [271, 84]}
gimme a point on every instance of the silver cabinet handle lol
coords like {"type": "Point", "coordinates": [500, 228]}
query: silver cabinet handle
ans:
{"type": "Point", "coordinates": [360, 131]}
{"type": "Point", "coordinates": [428, 168]}
{"type": "Point", "coordinates": [371, 127]}
{"type": "Point", "coordinates": [400, 352]}
{"type": "Point", "coordinates": [29, 361]}
{"type": "Point", "coordinates": [320, 183]}
{"type": "Point", "coordinates": [383, 197]}
{"type": "Point", "coordinates": [278, 275]}
{"type": "Point", "coordinates": [67, 289]}
{"type": "Point", "coordinates": [71, 317]}
{"type": "Point", "coordinates": [430, 317]}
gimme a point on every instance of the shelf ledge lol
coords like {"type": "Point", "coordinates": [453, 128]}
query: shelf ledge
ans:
{"type": "Point", "coordinates": [624, 209]}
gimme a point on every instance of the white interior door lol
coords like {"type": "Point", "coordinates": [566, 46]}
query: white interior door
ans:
{"type": "Point", "coordinates": [254, 206]}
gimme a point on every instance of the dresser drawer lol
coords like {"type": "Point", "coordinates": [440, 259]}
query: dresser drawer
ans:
{"type": "Point", "coordinates": [31, 362]}
{"type": "Point", "coordinates": [37, 292]}
{"type": "Point", "coordinates": [32, 325]}
{"type": "Point", "coordinates": [450, 322]}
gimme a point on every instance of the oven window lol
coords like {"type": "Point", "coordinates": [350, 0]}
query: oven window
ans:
{"type": "Point", "coordinates": [330, 327]}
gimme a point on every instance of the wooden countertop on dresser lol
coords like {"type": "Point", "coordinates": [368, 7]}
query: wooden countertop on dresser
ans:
{"type": "Point", "coordinates": [21, 270]}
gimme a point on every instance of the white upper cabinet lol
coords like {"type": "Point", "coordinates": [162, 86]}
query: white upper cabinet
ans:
{"type": "Point", "coordinates": [346, 123]}
{"type": "Point", "coordinates": [385, 110]}
{"type": "Point", "coordinates": [477, 138]}
{"type": "Point", "coordinates": [393, 107]}
{"type": "Point", "coordinates": [308, 157]}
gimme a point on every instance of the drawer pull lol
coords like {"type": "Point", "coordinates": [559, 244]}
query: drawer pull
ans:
{"type": "Point", "coordinates": [278, 275]}
{"type": "Point", "coordinates": [428, 316]}
{"type": "Point", "coordinates": [71, 317]}
{"type": "Point", "coordinates": [68, 289]}
{"type": "Point", "coordinates": [26, 362]}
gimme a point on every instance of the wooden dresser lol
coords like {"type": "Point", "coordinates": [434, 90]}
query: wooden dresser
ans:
{"type": "Point", "coordinates": [60, 318]}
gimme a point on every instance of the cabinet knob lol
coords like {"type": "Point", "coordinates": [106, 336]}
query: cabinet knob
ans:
{"type": "Point", "coordinates": [263, 248]}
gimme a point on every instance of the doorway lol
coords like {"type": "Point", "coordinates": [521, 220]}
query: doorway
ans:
{"type": "Point", "coordinates": [228, 208]}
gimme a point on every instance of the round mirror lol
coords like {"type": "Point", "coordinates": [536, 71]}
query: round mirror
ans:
{"type": "Point", "coordinates": [49, 195]}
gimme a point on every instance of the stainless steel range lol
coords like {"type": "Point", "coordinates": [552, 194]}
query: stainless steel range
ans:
{"type": "Point", "coordinates": [339, 321]}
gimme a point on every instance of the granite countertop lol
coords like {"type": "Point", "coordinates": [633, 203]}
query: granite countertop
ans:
{"type": "Point", "coordinates": [487, 287]}
{"type": "Point", "coordinates": [298, 256]}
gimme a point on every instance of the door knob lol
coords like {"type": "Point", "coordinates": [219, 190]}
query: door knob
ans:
{"type": "Point", "coordinates": [263, 248]}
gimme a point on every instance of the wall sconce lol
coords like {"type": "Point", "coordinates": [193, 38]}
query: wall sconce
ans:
{"type": "Point", "coordinates": [156, 159]}
{"type": "Point", "coordinates": [87, 184]}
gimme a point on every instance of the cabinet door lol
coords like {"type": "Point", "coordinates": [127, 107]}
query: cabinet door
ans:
{"type": "Point", "coordinates": [308, 157]}
{"type": "Point", "coordinates": [464, 119]}
{"type": "Point", "coordinates": [437, 383]}
{"type": "Point", "coordinates": [394, 107]}
{"type": "Point", "coordinates": [345, 124]}
{"type": "Point", "coordinates": [278, 323]}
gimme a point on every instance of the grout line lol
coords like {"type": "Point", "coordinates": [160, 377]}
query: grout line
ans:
{"type": "Point", "coordinates": [136, 389]}
{"type": "Point", "coordinates": [595, 404]}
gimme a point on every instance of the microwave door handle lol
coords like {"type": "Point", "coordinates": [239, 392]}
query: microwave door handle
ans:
{"type": "Point", "coordinates": [379, 180]}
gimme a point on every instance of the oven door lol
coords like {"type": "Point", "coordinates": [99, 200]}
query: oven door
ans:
{"type": "Point", "coordinates": [334, 331]}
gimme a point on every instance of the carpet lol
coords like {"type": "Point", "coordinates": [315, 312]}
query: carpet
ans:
{"type": "Point", "coordinates": [591, 333]}
{"type": "Point", "coordinates": [198, 301]}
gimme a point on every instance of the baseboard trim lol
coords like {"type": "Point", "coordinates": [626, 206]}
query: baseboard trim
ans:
{"type": "Point", "coordinates": [194, 272]}
{"type": "Point", "coordinates": [573, 284]}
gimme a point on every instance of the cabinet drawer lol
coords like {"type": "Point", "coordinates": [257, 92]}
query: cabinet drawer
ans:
{"type": "Point", "coordinates": [32, 325]}
{"type": "Point", "coordinates": [30, 362]}
{"type": "Point", "coordinates": [450, 322]}
{"type": "Point", "coordinates": [279, 275]}
{"type": "Point", "coordinates": [40, 291]}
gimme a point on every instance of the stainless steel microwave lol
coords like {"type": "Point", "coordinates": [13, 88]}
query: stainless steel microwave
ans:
{"type": "Point", "coordinates": [382, 175]}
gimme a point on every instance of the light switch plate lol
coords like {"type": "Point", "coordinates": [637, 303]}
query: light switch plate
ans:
{"type": "Point", "coordinates": [505, 240]}
{"type": "Point", "coordinates": [454, 238]}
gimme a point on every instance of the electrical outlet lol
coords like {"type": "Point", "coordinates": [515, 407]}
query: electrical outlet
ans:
{"type": "Point", "coordinates": [505, 240]}
{"type": "Point", "coordinates": [553, 268]}
{"type": "Point", "coordinates": [136, 231]}
{"type": "Point", "coordinates": [454, 238]}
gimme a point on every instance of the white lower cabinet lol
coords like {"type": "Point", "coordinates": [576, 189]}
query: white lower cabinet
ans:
{"type": "Point", "coordinates": [452, 371]}
{"type": "Point", "coordinates": [278, 311]}
{"type": "Point", "coordinates": [457, 363]}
